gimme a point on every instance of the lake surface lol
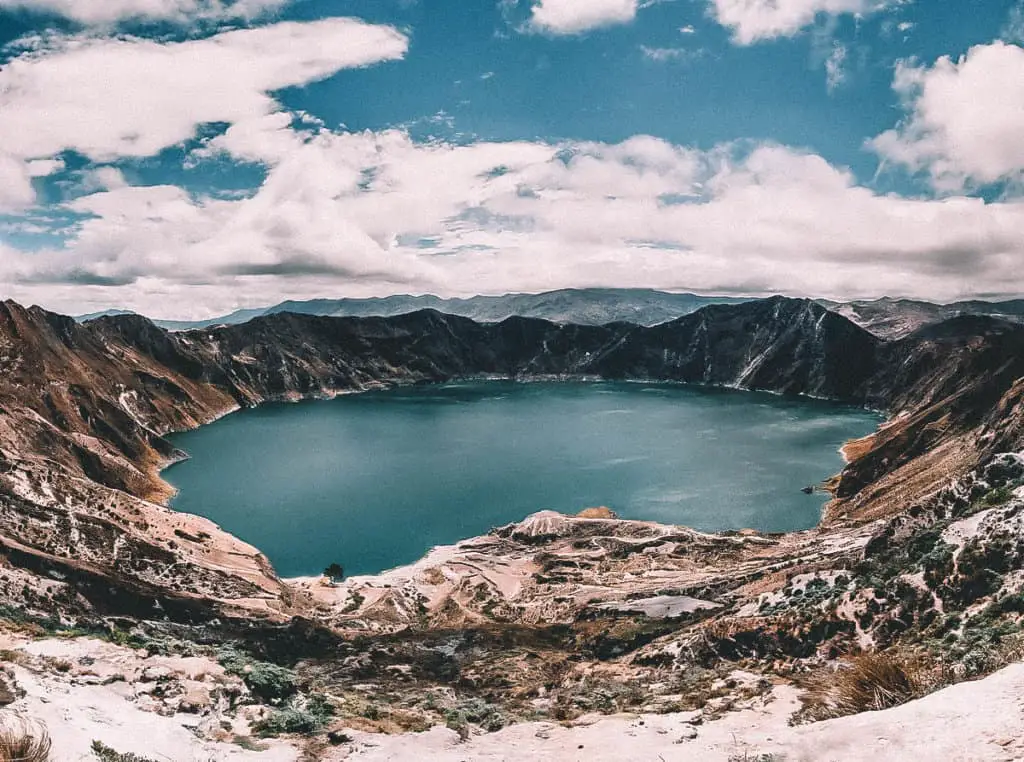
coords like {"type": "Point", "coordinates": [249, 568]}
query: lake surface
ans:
{"type": "Point", "coordinates": [374, 480]}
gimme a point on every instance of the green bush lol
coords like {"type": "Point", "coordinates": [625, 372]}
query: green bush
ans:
{"type": "Point", "coordinates": [299, 717]}
{"type": "Point", "coordinates": [288, 720]}
{"type": "Point", "coordinates": [270, 681]}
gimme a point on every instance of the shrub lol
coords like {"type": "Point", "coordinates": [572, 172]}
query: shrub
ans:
{"type": "Point", "coordinates": [288, 720]}
{"type": "Point", "coordinates": [477, 712]}
{"type": "Point", "coordinates": [300, 717]}
{"type": "Point", "coordinates": [21, 742]}
{"type": "Point", "coordinates": [268, 681]}
{"type": "Point", "coordinates": [105, 754]}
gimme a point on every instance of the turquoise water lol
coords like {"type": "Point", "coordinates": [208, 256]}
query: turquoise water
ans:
{"type": "Point", "coordinates": [374, 480]}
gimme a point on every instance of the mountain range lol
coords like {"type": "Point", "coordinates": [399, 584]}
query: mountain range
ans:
{"type": "Point", "coordinates": [886, 317]}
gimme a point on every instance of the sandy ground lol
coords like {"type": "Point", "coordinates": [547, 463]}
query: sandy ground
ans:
{"type": "Point", "coordinates": [77, 708]}
{"type": "Point", "coordinates": [976, 721]}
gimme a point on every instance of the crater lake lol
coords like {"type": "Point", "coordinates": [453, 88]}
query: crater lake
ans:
{"type": "Point", "coordinates": [374, 480]}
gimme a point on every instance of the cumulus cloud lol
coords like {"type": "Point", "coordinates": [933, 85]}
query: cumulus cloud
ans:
{"type": "Point", "coordinates": [755, 20]}
{"type": "Point", "coordinates": [368, 214]}
{"type": "Point", "coordinates": [964, 118]}
{"type": "Point", "coordinates": [103, 12]}
{"type": "Point", "coordinates": [111, 98]}
{"type": "Point", "coordinates": [562, 17]}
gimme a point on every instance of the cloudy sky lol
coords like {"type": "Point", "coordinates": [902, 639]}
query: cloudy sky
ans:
{"type": "Point", "coordinates": [187, 157]}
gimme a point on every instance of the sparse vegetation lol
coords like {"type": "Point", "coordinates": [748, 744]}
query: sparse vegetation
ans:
{"type": "Point", "coordinates": [998, 496]}
{"type": "Point", "coordinates": [355, 601]}
{"type": "Point", "coordinates": [106, 754]}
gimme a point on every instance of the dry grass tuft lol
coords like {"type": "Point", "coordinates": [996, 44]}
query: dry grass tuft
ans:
{"type": "Point", "coordinates": [871, 682]}
{"type": "Point", "coordinates": [21, 741]}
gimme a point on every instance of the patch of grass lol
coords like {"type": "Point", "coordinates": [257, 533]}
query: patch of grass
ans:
{"type": "Point", "coordinates": [871, 682]}
{"type": "Point", "coordinates": [22, 742]}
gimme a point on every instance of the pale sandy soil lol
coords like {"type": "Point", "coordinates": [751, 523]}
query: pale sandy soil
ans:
{"type": "Point", "coordinates": [981, 720]}
{"type": "Point", "coordinates": [969, 722]}
{"type": "Point", "coordinates": [107, 693]}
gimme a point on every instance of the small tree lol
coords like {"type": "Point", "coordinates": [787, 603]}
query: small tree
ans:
{"type": "Point", "coordinates": [335, 573]}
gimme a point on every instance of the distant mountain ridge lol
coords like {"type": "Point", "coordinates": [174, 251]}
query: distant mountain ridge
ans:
{"type": "Point", "coordinates": [590, 306]}
{"type": "Point", "coordinates": [891, 318]}
{"type": "Point", "coordinates": [887, 318]}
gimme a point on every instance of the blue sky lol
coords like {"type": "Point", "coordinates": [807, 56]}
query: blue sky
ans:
{"type": "Point", "coordinates": [185, 157]}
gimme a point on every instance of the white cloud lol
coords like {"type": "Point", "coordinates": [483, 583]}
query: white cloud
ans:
{"type": "Point", "coordinates": [104, 178]}
{"type": "Point", "coordinates": [364, 214]}
{"type": "Point", "coordinates": [755, 20]}
{"type": "Point", "coordinates": [965, 118]}
{"type": "Point", "coordinates": [44, 167]}
{"type": "Point", "coordinates": [563, 17]}
{"type": "Point", "coordinates": [15, 183]}
{"type": "Point", "coordinates": [665, 55]}
{"type": "Point", "coordinates": [103, 12]}
{"type": "Point", "coordinates": [110, 98]}
{"type": "Point", "coordinates": [688, 29]}
{"type": "Point", "coordinates": [835, 75]}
